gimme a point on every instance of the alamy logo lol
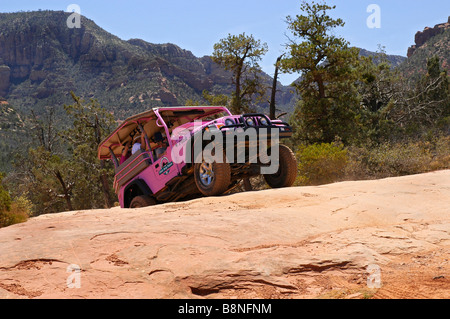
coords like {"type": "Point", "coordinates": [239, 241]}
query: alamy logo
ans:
{"type": "Point", "coordinates": [374, 20]}
{"type": "Point", "coordinates": [373, 276]}
{"type": "Point", "coordinates": [74, 20]}
{"type": "Point", "coordinates": [74, 279]}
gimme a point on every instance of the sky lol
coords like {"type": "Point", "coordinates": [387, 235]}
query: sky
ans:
{"type": "Point", "coordinates": [195, 25]}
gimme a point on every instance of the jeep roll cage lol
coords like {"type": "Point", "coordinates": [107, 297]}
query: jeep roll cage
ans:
{"type": "Point", "coordinates": [163, 117]}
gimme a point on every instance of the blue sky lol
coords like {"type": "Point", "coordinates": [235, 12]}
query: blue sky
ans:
{"type": "Point", "coordinates": [196, 25]}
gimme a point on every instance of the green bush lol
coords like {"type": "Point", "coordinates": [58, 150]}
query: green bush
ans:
{"type": "Point", "coordinates": [18, 213]}
{"type": "Point", "coordinates": [321, 163]}
{"type": "Point", "coordinates": [5, 198]}
{"type": "Point", "coordinates": [12, 211]}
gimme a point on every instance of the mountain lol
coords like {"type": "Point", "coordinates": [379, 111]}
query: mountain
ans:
{"type": "Point", "coordinates": [42, 60]}
{"type": "Point", "coordinates": [395, 60]}
{"type": "Point", "coordinates": [429, 42]}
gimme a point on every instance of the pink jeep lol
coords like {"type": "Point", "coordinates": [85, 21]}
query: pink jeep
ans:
{"type": "Point", "coordinates": [196, 151]}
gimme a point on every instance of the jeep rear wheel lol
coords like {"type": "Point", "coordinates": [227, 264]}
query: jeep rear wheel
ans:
{"type": "Point", "coordinates": [212, 179]}
{"type": "Point", "coordinates": [287, 170]}
{"type": "Point", "coordinates": [142, 201]}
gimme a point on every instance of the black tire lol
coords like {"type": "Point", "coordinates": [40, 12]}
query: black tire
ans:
{"type": "Point", "coordinates": [142, 201]}
{"type": "Point", "coordinates": [212, 179]}
{"type": "Point", "coordinates": [287, 171]}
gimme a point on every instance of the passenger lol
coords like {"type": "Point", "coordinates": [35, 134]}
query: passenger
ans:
{"type": "Point", "coordinates": [125, 153]}
{"type": "Point", "coordinates": [139, 143]}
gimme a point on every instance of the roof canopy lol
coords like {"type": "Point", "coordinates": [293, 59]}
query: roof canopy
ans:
{"type": "Point", "coordinates": [153, 121]}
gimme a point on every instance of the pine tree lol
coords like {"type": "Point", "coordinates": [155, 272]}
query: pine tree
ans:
{"type": "Point", "coordinates": [240, 54]}
{"type": "Point", "coordinates": [329, 105]}
{"type": "Point", "coordinates": [91, 124]}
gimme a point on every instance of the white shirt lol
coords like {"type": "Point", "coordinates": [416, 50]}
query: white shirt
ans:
{"type": "Point", "coordinates": [136, 147]}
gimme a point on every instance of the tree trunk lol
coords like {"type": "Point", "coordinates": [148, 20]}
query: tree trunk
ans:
{"type": "Point", "coordinates": [274, 89]}
{"type": "Point", "coordinates": [105, 187]}
{"type": "Point", "coordinates": [321, 87]}
{"type": "Point", "coordinates": [237, 98]}
{"type": "Point", "coordinates": [103, 177]}
{"type": "Point", "coordinates": [65, 190]}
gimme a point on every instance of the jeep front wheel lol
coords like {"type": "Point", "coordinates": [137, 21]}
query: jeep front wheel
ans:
{"type": "Point", "coordinates": [142, 201]}
{"type": "Point", "coordinates": [287, 170]}
{"type": "Point", "coordinates": [212, 179]}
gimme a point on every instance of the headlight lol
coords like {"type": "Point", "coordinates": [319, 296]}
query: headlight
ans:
{"type": "Point", "coordinates": [229, 122]}
{"type": "Point", "coordinates": [250, 122]}
{"type": "Point", "coordinates": [263, 121]}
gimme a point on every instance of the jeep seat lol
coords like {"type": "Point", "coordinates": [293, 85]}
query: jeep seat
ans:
{"type": "Point", "coordinates": [134, 165]}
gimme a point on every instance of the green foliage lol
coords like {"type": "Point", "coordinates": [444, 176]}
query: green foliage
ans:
{"type": "Point", "coordinates": [380, 91]}
{"type": "Point", "coordinates": [48, 179]}
{"type": "Point", "coordinates": [240, 54]}
{"type": "Point", "coordinates": [42, 167]}
{"type": "Point", "coordinates": [359, 100]}
{"type": "Point", "coordinates": [60, 170]}
{"type": "Point", "coordinates": [20, 211]}
{"type": "Point", "coordinates": [321, 163]}
{"type": "Point", "coordinates": [5, 198]}
{"type": "Point", "coordinates": [332, 162]}
{"type": "Point", "coordinates": [12, 211]}
{"type": "Point", "coordinates": [91, 124]}
{"type": "Point", "coordinates": [329, 105]}
{"type": "Point", "coordinates": [216, 100]}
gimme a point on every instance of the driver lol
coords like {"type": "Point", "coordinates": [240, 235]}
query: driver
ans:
{"type": "Point", "coordinates": [161, 141]}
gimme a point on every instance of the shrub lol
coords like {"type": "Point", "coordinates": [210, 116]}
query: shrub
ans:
{"type": "Point", "coordinates": [441, 153]}
{"type": "Point", "coordinates": [5, 198]}
{"type": "Point", "coordinates": [397, 159]}
{"type": "Point", "coordinates": [12, 211]}
{"type": "Point", "coordinates": [321, 163]}
{"type": "Point", "coordinates": [19, 212]}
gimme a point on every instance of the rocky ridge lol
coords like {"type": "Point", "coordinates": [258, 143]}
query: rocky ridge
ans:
{"type": "Point", "coordinates": [42, 60]}
{"type": "Point", "coordinates": [422, 37]}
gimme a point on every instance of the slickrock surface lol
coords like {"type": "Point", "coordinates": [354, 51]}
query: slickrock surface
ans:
{"type": "Point", "coordinates": [385, 238]}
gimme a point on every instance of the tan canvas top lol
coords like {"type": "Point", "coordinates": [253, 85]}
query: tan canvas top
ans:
{"type": "Point", "coordinates": [149, 121]}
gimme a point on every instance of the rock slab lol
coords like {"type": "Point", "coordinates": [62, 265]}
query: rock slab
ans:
{"type": "Point", "coordinates": [300, 242]}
